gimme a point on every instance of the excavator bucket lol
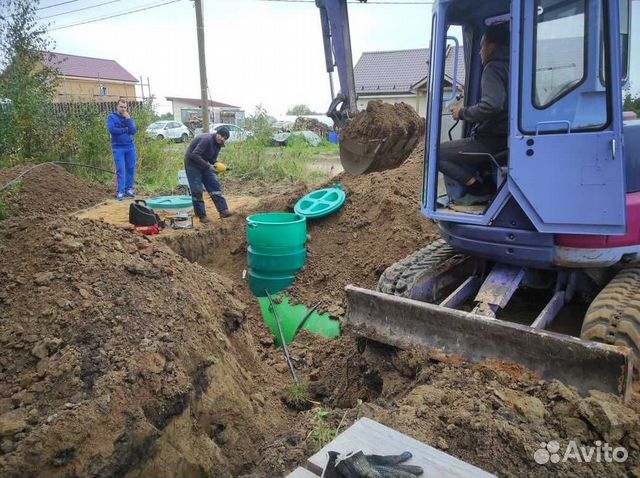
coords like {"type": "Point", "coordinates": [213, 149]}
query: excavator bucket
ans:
{"type": "Point", "coordinates": [403, 322]}
{"type": "Point", "coordinates": [362, 156]}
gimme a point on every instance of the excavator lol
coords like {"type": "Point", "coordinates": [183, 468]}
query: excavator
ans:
{"type": "Point", "coordinates": [546, 274]}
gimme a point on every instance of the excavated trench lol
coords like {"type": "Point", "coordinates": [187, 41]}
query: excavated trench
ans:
{"type": "Point", "coordinates": [119, 357]}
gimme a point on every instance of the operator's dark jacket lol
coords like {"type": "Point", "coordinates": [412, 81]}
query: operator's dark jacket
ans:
{"type": "Point", "coordinates": [491, 113]}
{"type": "Point", "coordinates": [203, 151]}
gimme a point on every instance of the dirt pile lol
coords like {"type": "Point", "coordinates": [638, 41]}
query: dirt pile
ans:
{"type": "Point", "coordinates": [384, 120]}
{"type": "Point", "coordinates": [49, 189]}
{"type": "Point", "coordinates": [379, 224]}
{"type": "Point", "coordinates": [118, 356]}
{"type": "Point", "coordinates": [494, 415]}
{"type": "Point", "coordinates": [380, 138]}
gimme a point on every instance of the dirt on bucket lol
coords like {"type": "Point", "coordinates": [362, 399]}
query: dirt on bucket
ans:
{"type": "Point", "coordinates": [380, 137]}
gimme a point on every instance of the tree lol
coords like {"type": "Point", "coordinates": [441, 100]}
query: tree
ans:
{"type": "Point", "coordinates": [27, 126]}
{"type": "Point", "coordinates": [299, 110]}
{"type": "Point", "coordinates": [260, 124]}
{"type": "Point", "coordinates": [166, 117]}
{"type": "Point", "coordinates": [632, 103]}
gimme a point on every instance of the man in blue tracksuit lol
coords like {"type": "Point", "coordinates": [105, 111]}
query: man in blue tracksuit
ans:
{"type": "Point", "coordinates": [198, 164]}
{"type": "Point", "coordinates": [122, 128]}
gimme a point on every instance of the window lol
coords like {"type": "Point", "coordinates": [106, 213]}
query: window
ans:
{"type": "Point", "coordinates": [103, 91]}
{"type": "Point", "coordinates": [625, 22]}
{"type": "Point", "coordinates": [560, 34]}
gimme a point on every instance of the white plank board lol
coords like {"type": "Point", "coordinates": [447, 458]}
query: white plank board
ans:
{"type": "Point", "coordinates": [372, 437]}
{"type": "Point", "coordinates": [301, 473]}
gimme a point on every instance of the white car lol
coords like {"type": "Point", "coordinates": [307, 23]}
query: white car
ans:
{"type": "Point", "coordinates": [235, 132]}
{"type": "Point", "coordinates": [169, 130]}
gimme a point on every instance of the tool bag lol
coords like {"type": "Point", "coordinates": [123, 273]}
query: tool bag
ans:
{"type": "Point", "coordinates": [142, 215]}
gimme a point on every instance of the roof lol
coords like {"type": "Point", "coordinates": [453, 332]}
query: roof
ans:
{"type": "Point", "coordinates": [448, 69]}
{"type": "Point", "coordinates": [390, 71]}
{"type": "Point", "coordinates": [398, 71]}
{"type": "Point", "coordinates": [197, 102]}
{"type": "Point", "coordinates": [87, 67]}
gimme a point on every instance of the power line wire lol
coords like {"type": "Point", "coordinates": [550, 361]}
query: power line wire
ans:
{"type": "Point", "coordinates": [57, 4]}
{"type": "Point", "coordinates": [78, 10]}
{"type": "Point", "coordinates": [355, 3]}
{"type": "Point", "coordinates": [147, 7]}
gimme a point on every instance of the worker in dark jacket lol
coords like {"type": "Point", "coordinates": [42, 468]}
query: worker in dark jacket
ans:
{"type": "Point", "coordinates": [199, 162]}
{"type": "Point", "coordinates": [122, 128]}
{"type": "Point", "coordinates": [491, 117]}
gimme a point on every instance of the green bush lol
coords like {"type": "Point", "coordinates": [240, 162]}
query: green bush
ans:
{"type": "Point", "coordinates": [251, 160]}
{"type": "Point", "coordinates": [158, 164]}
{"type": "Point", "coordinates": [260, 125]}
{"type": "Point", "coordinates": [7, 197]}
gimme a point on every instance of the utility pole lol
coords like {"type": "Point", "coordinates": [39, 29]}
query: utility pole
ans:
{"type": "Point", "coordinates": [203, 67]}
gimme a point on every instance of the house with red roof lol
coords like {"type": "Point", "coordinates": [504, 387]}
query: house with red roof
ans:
{"type": "Point", "coordinates": [87, 79]}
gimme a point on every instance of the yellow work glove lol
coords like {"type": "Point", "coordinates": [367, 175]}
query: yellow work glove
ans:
{"type": "Point", "coordinates": [219, 167]}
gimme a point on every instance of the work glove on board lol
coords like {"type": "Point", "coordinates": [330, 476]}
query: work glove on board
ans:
{"type": "Point", "coordinates": [359, 465]}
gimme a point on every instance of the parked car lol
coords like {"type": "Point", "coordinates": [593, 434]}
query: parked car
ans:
{"type": "Point", "coordinates": [235, 132]}
{"type": "Point", "coordinates": [169, 130]}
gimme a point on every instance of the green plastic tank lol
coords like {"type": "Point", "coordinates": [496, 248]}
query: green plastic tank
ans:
{"type": "Point", "coordinates": [276, 250]}
{"type": "Point", "coordinates": [288, 262]}
{"type": "Point", "coordinates": [276, 230]}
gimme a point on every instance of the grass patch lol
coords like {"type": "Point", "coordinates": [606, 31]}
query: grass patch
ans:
{"type": "Point", "coordinates": [158, 165]}
{"type": "Point", "coordinates": [252, 160]}
{"type": "Point", "coordinates": [7, 197]}
{"type": "Point", "coordinates": [4, 209]}
{"type": "Point", "coordinates": [298, 396]}
{"type": "Point", "coordinates": [322, 432]}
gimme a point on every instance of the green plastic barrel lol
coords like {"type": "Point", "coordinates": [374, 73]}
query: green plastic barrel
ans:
{"type": "Point", "coordinates": [276, 250]}
{"type": "Point", "coordinates": [289, 262]}
{"type": "Point", "coordinates": [276, 230]}
{"type": "Point", "coordinates": [258, 283]}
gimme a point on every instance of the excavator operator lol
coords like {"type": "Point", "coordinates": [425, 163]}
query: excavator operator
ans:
{"type": "Point", "coordinates": [491, 121]}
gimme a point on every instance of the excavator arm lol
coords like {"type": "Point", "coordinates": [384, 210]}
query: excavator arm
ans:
{"type": "Point", "coordinates": [358, 154]}
{"type": "Point", "coordinates": [337, 51]}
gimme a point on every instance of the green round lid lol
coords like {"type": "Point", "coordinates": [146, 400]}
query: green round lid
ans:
{"type": "Point", "coordinates": [170, 202]}
{"type": "Point", "coordinates": [321, 203]}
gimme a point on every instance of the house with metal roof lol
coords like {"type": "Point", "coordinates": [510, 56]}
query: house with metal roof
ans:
{"type": "Point", "coordinates": [401, 76]}
{"type": "Point", "coordinates": [189, 110]}
{"type": "Point", "coordinates": [87, 79]}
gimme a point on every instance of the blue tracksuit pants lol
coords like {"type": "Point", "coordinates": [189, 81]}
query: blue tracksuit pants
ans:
{"type": "Point", "coordinates": [125, 162]}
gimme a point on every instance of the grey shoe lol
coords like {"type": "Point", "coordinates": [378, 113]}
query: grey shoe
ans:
{"type": "Point", "coordinates": [204, 220]}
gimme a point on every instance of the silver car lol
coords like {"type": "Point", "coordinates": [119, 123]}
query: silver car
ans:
{"type": "Point", "coordinates": [235, 132]}
{"type": "Point", "coordinates": [169, 130]}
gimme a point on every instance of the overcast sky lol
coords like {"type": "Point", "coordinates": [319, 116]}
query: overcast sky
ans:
{"type": "Point", "coordinates": [258, 52]}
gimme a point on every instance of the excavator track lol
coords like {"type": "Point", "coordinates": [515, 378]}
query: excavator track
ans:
{"type": "Point", "coordinates": [614, 316]}
{"type": "Point", "coordinates": [407, 310]}
{"type": "Point", "coordinates": [410, 277]}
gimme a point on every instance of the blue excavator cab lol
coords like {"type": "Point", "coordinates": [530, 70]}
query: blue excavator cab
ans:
{"type": "Point", "coordinates": [565, 216]}
{"type": "Point", "coordinates": [562, 112]}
